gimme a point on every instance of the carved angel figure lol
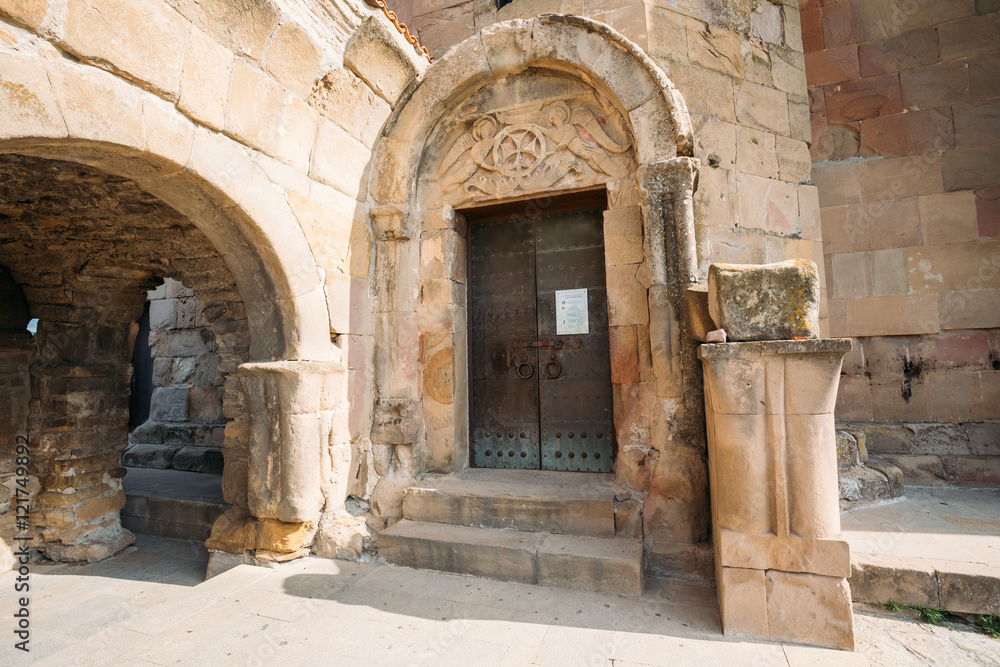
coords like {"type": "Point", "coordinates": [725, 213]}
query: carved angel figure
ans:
{"type": "Point", "coordinates": [472, 151]}
{"type": "Point", "coordinates": [579, 132]}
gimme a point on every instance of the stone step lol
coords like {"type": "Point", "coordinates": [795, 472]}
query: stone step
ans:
{"type": "Point", "coordinates": [957, 586]}
{"type": "Point", "coordinates": [564, 561]}
{"type": "Point", "coordinates": [172, 503]}
{"type": "Point", "coordinates": [531, 501]}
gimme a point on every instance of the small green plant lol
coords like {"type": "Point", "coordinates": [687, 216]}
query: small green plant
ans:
{"type": "Point", "coordinates": [932, 616]}
{"type": "Point", "coordinates": [988, 624]}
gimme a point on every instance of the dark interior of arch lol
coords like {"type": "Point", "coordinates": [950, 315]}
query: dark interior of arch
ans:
{"type": "Point", "coordinates": [84, 247]}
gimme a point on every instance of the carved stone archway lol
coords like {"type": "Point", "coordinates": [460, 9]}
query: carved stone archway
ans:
{"type": "Point", "coordinates": [68, 112]}
{"type": "Point", "coordinates": [524, 110]}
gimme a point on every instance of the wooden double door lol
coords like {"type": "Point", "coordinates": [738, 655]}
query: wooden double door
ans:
{"type": "Point", "coordinates": [539, 356]}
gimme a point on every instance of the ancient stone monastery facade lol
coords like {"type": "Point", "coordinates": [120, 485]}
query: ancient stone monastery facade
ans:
{"type": "Point", "coordinates": [330, 195]}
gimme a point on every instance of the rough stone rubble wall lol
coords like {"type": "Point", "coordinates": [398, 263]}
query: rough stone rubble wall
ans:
{"type": "Point", "coordinates": [904, 101]}
{"type": "Point", "coordinates": [186, 428]}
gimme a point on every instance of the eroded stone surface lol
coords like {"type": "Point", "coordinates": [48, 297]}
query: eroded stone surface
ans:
{"type": "Point", "coordinates": [770, 302]}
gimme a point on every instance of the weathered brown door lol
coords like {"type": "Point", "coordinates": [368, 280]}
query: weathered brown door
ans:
{"type": "Point", "coordinates": [540, 366]}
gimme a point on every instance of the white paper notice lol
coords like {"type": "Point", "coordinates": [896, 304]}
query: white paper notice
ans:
{"type": "Point", "coordinates": [571, 312]}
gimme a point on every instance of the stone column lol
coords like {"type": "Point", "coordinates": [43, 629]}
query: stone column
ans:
{"type": "Point", "coordinates": [291, 406]}
{"type": "Point", "coordinates": [781, 565]}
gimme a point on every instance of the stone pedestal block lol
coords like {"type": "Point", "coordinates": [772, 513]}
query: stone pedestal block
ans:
{"type": "Point", "coordinates": [781, 565]}
{"type": "Point", "coordinates": [291, 406]}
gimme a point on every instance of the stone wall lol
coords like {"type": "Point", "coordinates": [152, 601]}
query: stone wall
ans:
{"type": "Point", "coordinates": [904, 101]}
{"type": "Point", "coordinates": [186, 427]}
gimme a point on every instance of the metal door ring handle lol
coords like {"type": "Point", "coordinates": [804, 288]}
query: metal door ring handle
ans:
{"type": "Point", "coordinates": [530, 372]}
{"type": "Point", "coordinates": [550, 375]}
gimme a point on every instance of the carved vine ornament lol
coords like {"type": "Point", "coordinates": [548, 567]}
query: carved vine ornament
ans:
{"type": "Point", "coordinates": [533, 149]}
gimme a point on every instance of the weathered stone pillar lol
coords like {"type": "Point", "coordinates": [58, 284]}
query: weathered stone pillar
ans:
{"type": "Point", "coordinates": [291, 406]}
{"type": "Point", "coordinates": [781, 566]}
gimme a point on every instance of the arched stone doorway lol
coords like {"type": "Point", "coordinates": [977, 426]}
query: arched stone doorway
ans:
{"type": "Point", "coordinates": [604, 119]}
{"type": "Point", "coordinates": [107, 189]}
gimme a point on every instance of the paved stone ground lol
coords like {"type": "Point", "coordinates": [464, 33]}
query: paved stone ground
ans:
{"type": "Point", "coordinates": [146, 607]}
{"type": "Point", "coordinates": [933, 523]}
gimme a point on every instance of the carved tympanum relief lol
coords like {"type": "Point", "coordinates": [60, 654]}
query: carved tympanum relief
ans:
{"type": "Point", "coordinates": [534, 147]}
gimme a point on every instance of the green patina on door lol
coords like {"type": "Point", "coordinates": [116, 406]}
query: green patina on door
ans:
{"type": "Point", "coordinates": [539, 361]}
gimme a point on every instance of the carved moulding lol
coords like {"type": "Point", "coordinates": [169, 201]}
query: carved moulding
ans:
{"type": "Point", "coordinates": [535, 147]}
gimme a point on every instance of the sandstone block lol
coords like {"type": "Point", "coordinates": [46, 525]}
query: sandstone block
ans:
{"type": "Point", "coordinates": [714, 48]}
{"type": "Point", "coordinates": [912, 49]}
{"type": "Point", "coordinates": [982, 81]}
{"type": "Point", "coordinates": [254, 108]}
{"type": "Point", "coordinates": [907, 134]}
{"type": "Point", "coordinates": [901, 177]}
{"type": "Point", "coordinates": [99, 507]}
{"type": "Point", "coordinates": [608, 566]}
{"type": "Point", "coordinates": [242, 27]}
{"type": "Point", "coordinates": [282, 537]}
{"type": "Point", "coordinates": [340, 160]}
{"type": "Point", "coordinates": [877, 579]}
{"type": "Point", "coordinates": [837, 184]}
{"type": "Point", "coordinates": [232, 532]}
{"type": "Point", "coordinates": [971, 588]}
{"type": "Point", "coordinates": [762, 107]}
{"type": "Point", "coordinates": [706, 92]}
{"type": "Point", "coordinates": [346, 100]}
{"type": "Point", "coordinates": [86, 94]}
{"type": "Point", "coordinates": [341, 535]}
{"type": "Point", "coordinates": [293, 59]}
{"type": "Point", "coordinates": [624, 355]}
{"type": "Point", "coordinates": [742, 601]}
{"type": "Point", "coordinates": [697, 318]}
{"type": "Point", "coordinates": [971, 168]}
{"type": "Point", "coordinates": [627, 299]}
{"type": "Point", "coordinates": [26, 12]}
{"type": "Point", "coordinates": [766, 204]}
{"type": "Point", "coordinates": [623, 236]}
{"type": "Point", "coordinates": [948, 218]}
{"type": "Point", "coordinates": [755, 152]}
{"type": "Point", "coordinates": [379, 59]}
{"type": "Point", "coordinates": [864, 98]}
{"type": "Point", "coordinates": [27, 100]}
{"type": "Point", "coordinates": [205, 81]}
{"type": "Point", "coordinates": [770, 302]}
{"type": "Point", "coordinates": [506, 555]}
{"type": "Point", "coordinates": [628, 519]}
{"type": "Point", "coordinates": [794, 162]}
{"type": "Point", "coordinates": [832, 65]}
{"type": "Point", "coordinates": [969, 37]}
{"type": "Point", "coordinates": [809, 608]}
{"type": "Point", "coordinates": [119, 33]}
{"type": "Point", "coordinates": [938, 85]}
{"type": "Point", "coordinates": [979, 309]}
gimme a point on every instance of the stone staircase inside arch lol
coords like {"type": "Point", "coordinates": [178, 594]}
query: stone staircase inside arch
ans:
{"type": "Point", "coordinates": [561, 529]}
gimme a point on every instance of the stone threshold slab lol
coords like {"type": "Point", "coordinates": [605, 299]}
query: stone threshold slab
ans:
{"type": "Point", "coordinates": [563, 561]}
{"type": "Point", "coordinates": [956, 586]}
